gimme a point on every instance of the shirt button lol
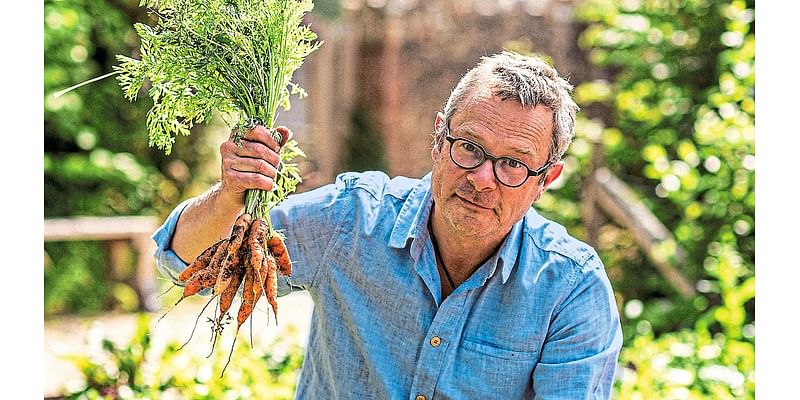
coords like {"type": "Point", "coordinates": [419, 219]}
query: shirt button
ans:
{"type": "Point", "coordinates": [420, 397]}
{"type": "Point", "coordinates": [435, 342]}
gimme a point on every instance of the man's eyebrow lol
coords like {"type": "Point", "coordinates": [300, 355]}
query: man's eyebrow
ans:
{"type": "Point", "coordinates": [522, 150]}
{"type": "Point", "coordinates": [468, 132]}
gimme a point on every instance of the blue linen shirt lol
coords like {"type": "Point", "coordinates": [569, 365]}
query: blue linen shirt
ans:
{"type": "Point", "coordinates": [536, 320]}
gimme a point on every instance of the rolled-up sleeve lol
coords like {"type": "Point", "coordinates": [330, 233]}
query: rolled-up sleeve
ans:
{"type": "Point", "coordinates": [167, 262]}
{"type": "Point", "coordinates": [580, 354]}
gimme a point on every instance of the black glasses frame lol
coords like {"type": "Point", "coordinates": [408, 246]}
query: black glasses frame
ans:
{"type": "Point", "coordinates": [493, 158]}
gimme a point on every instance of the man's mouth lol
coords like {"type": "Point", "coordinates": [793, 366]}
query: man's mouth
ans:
{"type": "Point", "coordinates": [473, 203]}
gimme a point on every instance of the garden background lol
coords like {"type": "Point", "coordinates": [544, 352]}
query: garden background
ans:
{"type": "Point", "coordinates": [667, 90]}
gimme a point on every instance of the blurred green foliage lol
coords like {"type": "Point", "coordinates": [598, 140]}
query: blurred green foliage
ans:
{"type": "Point", "coordinates": [67, 289]}
{"type": "Point", "coordinates": [96, 158]}
{"type": "Point", "coordinates": [137, 370]}
{"type": "Point", "coordinates": [364, 149]}
{"type": "Point", "coordinates": [713, 360]}
{"type": "Point", "coordinates": [676, 121]}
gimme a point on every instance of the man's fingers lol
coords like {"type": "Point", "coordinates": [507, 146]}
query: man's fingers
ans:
{"type": "Point", "coordinates": [241, 174]}
{"type": "Point", "coordinates": [256, 150]}
{"type": "Point", "coordinates": [262, 135]}
{"type": "Point", "coordinates": [250, 180]}
{"type": "Point", "coordinates": [286, 134]}
{"type": "Point", "coordinates": [250, 150]}
{"type": "Point", "coordinates": [254, 165]}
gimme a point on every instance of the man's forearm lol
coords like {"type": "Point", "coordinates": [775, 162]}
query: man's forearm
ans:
{"type": "Point", "coordinates": [205, 220]}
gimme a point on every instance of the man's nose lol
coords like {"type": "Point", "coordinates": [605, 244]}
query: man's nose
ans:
{"type": "Point", "coordinates": [482, 178]}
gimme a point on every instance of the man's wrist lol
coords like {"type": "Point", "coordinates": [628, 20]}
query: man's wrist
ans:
{"type": "Point", "coordinates": [225, 201]}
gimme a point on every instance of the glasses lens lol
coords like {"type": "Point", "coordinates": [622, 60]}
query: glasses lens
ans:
{"type": "Point", "coordinates": [466, 154]}
{"type": "Point", "coordinates": [510, 172]}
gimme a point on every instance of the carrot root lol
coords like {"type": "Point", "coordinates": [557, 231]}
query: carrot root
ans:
{"type": "Point", "coordinates": [195, 323]}
{"type": "Point", "coordinates": [229, 358]}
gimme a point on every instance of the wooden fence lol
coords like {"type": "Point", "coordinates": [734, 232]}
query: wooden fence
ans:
{"type": "Point", "coordinates": [118, 233]}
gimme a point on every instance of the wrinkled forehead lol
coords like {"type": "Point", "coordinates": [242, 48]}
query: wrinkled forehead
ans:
{"type": "Point", "coordinates": [511, 126]}
{"type": "Point", "coordinates": [480, 100]}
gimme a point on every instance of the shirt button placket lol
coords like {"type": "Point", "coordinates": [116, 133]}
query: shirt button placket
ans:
{"type": "Point", "coordinates": [435, 342]}
{"type": "Point", "coordinates": [431, 360]}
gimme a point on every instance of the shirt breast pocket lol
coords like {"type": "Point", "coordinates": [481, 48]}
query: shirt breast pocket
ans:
{"type": "Point", "coordinates": [490, 371]}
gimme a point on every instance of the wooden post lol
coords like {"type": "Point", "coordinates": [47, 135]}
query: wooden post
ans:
{"type": "Point", "coordinates": [145, 277]}
{"type": "Point", "coordinates": [391, 86]}
{"type": "Point", "coordinates": [118, 264]}
{"type": "Point", "coordinates": [326, 148]}
{"type": "Point", "coordinates": [660, 247]}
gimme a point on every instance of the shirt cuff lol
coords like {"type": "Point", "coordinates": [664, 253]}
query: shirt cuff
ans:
{"type": "Point", "coordinates": [167, 262]}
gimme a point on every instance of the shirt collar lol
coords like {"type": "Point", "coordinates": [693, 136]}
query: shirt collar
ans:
{"type": "Point", "coordinates": [509, 250]}
{"type": "Point", "coordinates": [412, 223]}
{"type": "Point", "coordinates": [413, 215]}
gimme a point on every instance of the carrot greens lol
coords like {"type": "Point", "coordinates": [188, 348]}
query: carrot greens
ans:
{"type": "Point", "coordinates": [232, 56]}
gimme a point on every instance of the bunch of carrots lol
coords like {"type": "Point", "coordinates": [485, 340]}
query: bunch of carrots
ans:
{"type": "Point", "coordinates": [250, 258]}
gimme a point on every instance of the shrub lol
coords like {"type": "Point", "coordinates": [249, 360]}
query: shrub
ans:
{"type": "Point", "coordinates": [136, 370]}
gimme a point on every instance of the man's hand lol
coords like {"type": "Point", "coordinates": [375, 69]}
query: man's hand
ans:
{"type": "Point", "coordinates": [252, 166]}
{"type": "Point", "coordinates": [209, 217]}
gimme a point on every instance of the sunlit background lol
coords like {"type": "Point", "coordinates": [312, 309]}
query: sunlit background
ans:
{"type": "Point", "coordinates": [660, 179]}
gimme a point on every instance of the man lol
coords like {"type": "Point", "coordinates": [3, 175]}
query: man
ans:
{"type": "Point", "coordinates": [445, 287]}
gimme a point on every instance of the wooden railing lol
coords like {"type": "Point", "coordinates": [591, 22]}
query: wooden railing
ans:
{"type": "Point", "coordinates": [605, 195]}
{"type": "Point", "coordinates": [118, 233]}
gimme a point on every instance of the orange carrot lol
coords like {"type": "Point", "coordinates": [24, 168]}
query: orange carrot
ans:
{"type": "Point", "coordinates": [278, 249]}
{"type": "Point", "coordinates": [201, 280]}
{"type": "Point", "coordinates": [238, 232]}
{"type": "Point", "coordinates": [219, 254]}
{"type": "Point", "coordinates": [227, 296]}
{"type": "Point", "coordinates": [256, 241]}
{"type": "Point", "coordinates": [246, 308]}
{"type": "Point", "coordinates": [200, 262]}
{"type": "Point", "coordinates": [276, 245]}
{"type": "Point", "coordinates": [232, 258]}
{"type": "Point", "coordinates": [261, 280]}
{"type": "Point", "coordinates": [284, 264]}
{"type": "Point", "coordinates": [272, 285]}
{"type": "Point", "coordinates": [261, 274]}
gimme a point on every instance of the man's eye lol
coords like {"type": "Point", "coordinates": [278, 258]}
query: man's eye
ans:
{"type": "Point", "coordinates": [514, 163]}
{"type": "Point", "coordinates": [470, 147]}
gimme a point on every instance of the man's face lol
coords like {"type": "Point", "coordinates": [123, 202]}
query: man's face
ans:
{"type": "Point", "coordinates": [472, 203]}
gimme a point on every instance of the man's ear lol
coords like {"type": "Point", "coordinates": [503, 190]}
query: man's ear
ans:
{"type": "Point", "coordinates": [552, 174]}
{"type": "Point", "coordinates": [438, 131]}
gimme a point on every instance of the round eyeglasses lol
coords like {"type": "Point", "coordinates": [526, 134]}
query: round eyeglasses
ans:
{"type": "Point", "coordinates": [508, 171]}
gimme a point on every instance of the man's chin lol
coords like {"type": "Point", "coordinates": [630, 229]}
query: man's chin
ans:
{"type": "Point", "coordinates": [474, 219]}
